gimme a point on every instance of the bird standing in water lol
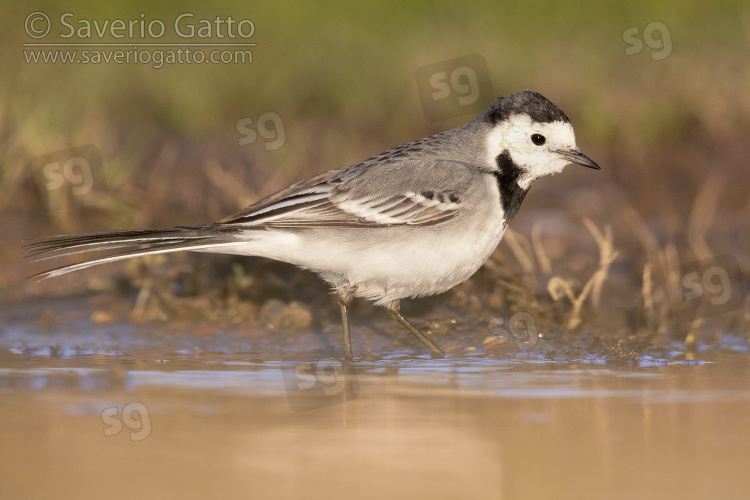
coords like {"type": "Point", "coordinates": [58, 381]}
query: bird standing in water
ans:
{"type": "Point", "coordinates": [412, 221]}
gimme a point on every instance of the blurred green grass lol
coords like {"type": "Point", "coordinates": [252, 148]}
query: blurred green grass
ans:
{"type": "Point", "coordinates": [352, 67]}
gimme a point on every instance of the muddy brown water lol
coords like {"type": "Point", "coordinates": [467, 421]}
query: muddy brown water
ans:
{"type": "Point", "coordinates": [123, 410]}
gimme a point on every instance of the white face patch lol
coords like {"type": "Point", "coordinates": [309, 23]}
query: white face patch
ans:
{"type": "Point", "coordinates": [514, 135]}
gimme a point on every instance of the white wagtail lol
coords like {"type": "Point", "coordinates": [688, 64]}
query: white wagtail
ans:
{"type": "Point", "coordinates": [412, 221]}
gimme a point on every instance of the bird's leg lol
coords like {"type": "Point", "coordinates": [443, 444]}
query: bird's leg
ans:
{"type": "Point", "coordinates": [394, 309]}
{"type": "Point", "coordinates": [345, 294]}
{"type": "Point", "coordinates": [345, 325]}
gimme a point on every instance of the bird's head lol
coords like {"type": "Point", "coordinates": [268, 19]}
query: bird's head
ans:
{"type": "Point", "coordinates": [529, 133]}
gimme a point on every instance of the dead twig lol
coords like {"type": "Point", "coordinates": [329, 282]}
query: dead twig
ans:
{"type": "Point", "coordinates": [541, 255]}
{"type": "Point", "coordinates": [559, 287]}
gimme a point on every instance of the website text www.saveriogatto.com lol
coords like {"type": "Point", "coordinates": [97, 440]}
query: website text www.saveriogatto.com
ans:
{"type": "Point", "coordinates": [72, 40]}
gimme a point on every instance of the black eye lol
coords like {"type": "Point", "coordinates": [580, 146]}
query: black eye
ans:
{"type": "Point", "coordinates": [538, 139]}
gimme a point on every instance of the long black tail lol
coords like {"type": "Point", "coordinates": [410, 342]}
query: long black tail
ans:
{"type": "Point", "coordinates": [129, 243]}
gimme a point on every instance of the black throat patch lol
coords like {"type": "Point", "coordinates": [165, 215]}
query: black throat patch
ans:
{"type": "Point", "coordinates": [511, 194]}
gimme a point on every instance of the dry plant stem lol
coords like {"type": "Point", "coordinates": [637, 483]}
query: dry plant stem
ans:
{"type": "Point", "coordinates": [63, 218]}
{"type": "Point", "coordinates": [606, 256]}
{"type": "Point", "coordinates": [511, 286]}
{"type": "Point", "coordinates": [691, 338]}
{"type": "Point", "coordinates": [653, 257]}
{"type": "Point", "coordinates": [663, 320]}
{"type": "Point", "coordinates": [702, 216]}
{"type": "Point", "coordinates": [541, 256]}
{"type": "Point", "coordinates": [648, 298]}
{"type": "Point", "coordinates": [144, 294]}
{"type": "Point", "coordinates": [12, 176]}
{"type": "Point", "coordinates": [557, 283]}
{"type": "Point", "coordinates": [225, 181]}
{"type": "Point", "coordinates": [514, 242]}
{"type": "Point", "coordinates": [496, 268]}
{"type": "Point", "coordinates": [648, 241]}
{"type": "Point", "coordinates": [668, 261]}
{"type": "Point", "coordinates": [148, 304]}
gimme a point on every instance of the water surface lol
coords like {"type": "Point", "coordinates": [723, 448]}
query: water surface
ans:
{"type": "Point", "coordinates": [147, 410]}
